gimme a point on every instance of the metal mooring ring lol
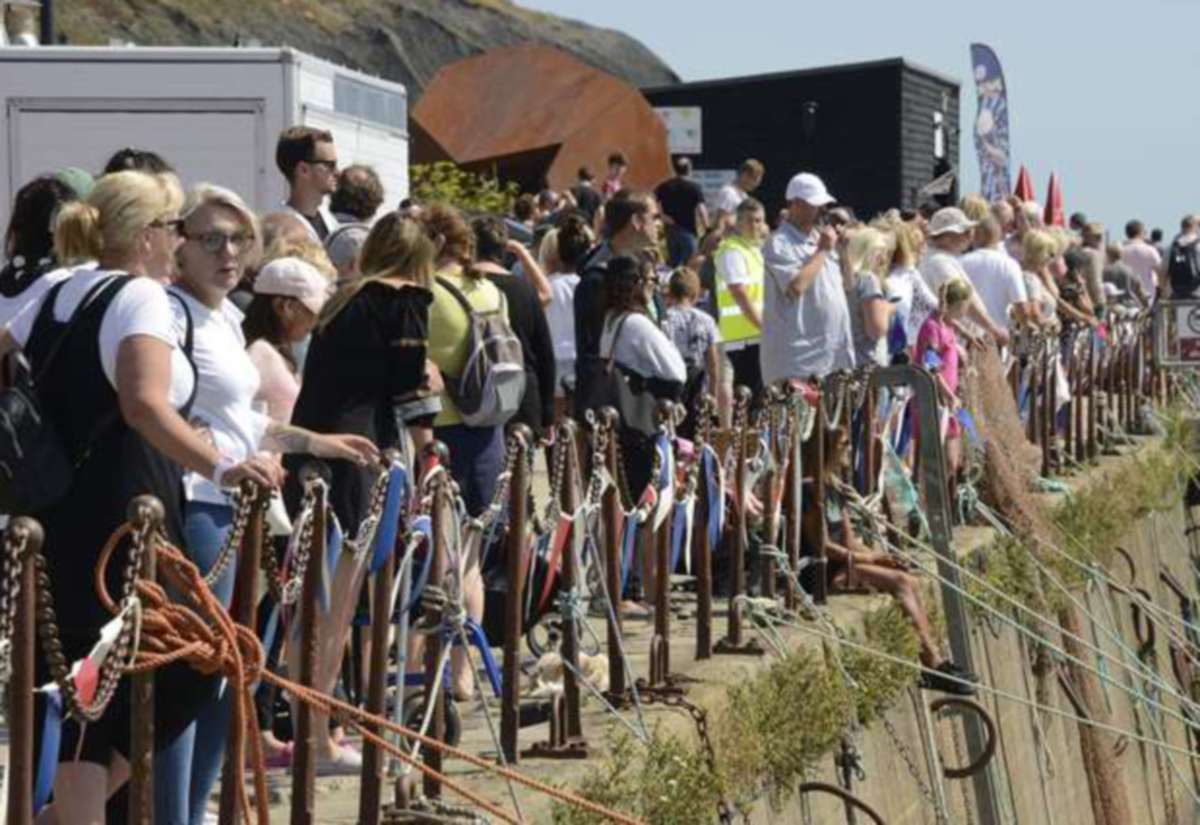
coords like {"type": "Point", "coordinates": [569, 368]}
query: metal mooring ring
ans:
{"type": "Point", "coordinates": [937, 706]}
{"type": "Point", "coordinates": [842, 794]}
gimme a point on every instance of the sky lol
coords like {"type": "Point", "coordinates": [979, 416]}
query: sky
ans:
{"type": "Point", "coordinates": [1104, 94]}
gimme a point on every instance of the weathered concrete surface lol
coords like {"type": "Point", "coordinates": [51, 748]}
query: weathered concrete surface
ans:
{"type": "Point", "coordinates": [1040, 777]}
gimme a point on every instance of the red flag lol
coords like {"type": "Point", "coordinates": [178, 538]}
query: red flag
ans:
{"type": "Point", "coordinates": [1055, 214]}
{"type": "Point", "coordinates": [1024, 189]}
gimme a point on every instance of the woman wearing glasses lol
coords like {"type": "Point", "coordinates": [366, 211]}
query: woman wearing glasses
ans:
{"type": "Point", "coordinates": [220, 235]}
{"type": "Point", "coordinates": [117, 391]}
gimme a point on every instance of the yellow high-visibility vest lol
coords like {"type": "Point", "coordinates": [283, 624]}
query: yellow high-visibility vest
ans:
{"type": "Point", "coordinates": [734, 325]}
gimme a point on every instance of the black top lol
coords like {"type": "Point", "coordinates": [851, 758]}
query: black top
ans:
{"type": "Point", "coordinates": [16, 279]}
{"type": "Point", "coordinates": [588, 200]}
{"type": "Point", "coordinates": [317, 222]}
{"type": "Point", "coordinates": [528, 321]}
{"type": "Point", "coordinates": [115, 462]}
{"type": "Point", "coordinates": [590, 301]}
{"type": "Point", "coordinates": [679, 198]}
{"type": "Point", "coordinates": [361, 365]}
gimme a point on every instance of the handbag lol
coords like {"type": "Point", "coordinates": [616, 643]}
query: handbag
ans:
{"type": "Point", "coordinates": [36, 468]}
{"type": "Point", "coordinates": [602, 382]}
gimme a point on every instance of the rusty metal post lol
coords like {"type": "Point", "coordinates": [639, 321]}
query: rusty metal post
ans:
{"type": "Point", "coordinates": [570, 574]}
{"type": "Point", "coordinates": [1093, 413]}
{"type": "Point", "coordinates": [370, 792]}
{"type": "Point", "coordinates": [22, 531]}
{"type": "Point", "coordinates": [660, 642]}
{"type": "Point", "coordinates": [732, 643]}
{"type": "Point", "coordinates": [304, 754]}
{"type": "Point", "coordinates": [515, 552]}
{"type": "Point", "coordinates": [144, 512]}
{"type": "Point", "coordinates": [1032, 425]}
{"type": "Point", "coordinates": [242, 611]}
{"type": "Point", "coordinates": [871, 444]}
{"type": "Point", "coordinates": [815, 578]}
{"type": "Point", "coordinates": [611, 514]}
{"type": "Point", "coordinates": [1049, 401]}
{"type": "Point", "coordinates": [1071, 404]}
{"type": "Point", "coordinates": [436, 452]}
{"type": "Point", "coordinates": [703, 561]}
{"type": "Point", "coordinates": [793, 492]}
{"type": "Point", "coordinates": [1078, 401]}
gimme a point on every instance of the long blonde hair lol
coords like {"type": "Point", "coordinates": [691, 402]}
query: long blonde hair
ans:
{"type": "Point", "coordinates": [120, 206]}
{"type": "Point", "coordinates": [866, 251]}
{"type": "Point", "coordinates": [397, 248]}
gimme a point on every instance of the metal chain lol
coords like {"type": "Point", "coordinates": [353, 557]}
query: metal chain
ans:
{"type": "Point", "coordinates": [111, 670]}
{"type": "Point", "coordinates": [244, 499]}
{"type": "Point", "coordinates": [290, 590]}
{"type": "Point", "coordinates": [370, 522]}
{"type": "Point", "coordinates": [700, 717]}
{"type": "Point", "coordinates": [425, 811]}
{"type": "Point", "coordinates": [910, 763]}
{"type": "Point", "coordinates": [14, 552]}
{"type": "Point", "coordinates": [269, 564]}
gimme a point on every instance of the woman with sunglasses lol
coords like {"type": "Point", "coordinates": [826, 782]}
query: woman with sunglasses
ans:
{"type": "Point", "coordinates": [220, 235]}
{"type": "Point", "coordinates": [116, 384]}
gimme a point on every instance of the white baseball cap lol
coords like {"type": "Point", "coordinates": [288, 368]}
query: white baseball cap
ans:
{"type": "Point", "coordinates": [809, 188]}
{"type": "Point", "coordinates": [294, 278]}
{"type": "Point", "coordinates": [950, 219]}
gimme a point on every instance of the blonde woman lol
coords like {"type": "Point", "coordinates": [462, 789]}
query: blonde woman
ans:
{"type": "Point", "coordinates": [220, 237]}
{"type": "Point", "coordinates": [913, 298]}
{"type": "Point", "coordinates": [1038, 251]}
{"type": "Point", "coordinates": [864, 267]}
{"type": "Point", "coordinates": [365, 373]}
{"type": "Point", "coordinates": [118, 391]}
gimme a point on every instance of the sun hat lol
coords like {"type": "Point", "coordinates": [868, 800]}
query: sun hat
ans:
{"type": "Point", "coordinates": [809, 188]}
{"type": "Point", "coordinates": [949, 219]}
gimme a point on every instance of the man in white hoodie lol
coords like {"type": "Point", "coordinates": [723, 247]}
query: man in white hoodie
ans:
{"type": "Point", "coordinates": [307, 158]}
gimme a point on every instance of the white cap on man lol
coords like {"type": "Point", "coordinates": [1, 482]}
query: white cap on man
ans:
{"type": "Point", "coordinates": [809, 188]}
{"type": "Point", "coordinates": [950, 219]}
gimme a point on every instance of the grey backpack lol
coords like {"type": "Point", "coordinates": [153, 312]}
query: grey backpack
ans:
{"type": "Point", "coordinates": [492, 383]}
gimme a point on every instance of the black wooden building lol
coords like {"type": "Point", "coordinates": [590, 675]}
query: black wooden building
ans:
{"type": "Point", "coordinates": [878, 133]}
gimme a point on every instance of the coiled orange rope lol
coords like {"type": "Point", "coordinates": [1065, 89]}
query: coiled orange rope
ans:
{"type": "Point", "coordinates": [199, 630]}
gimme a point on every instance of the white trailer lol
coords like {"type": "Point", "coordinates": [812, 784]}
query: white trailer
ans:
{"type": "Point", "coordinates": [212, 113]}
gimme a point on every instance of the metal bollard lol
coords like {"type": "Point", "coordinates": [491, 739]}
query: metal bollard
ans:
{"type": "Point", "coordinates": [700, 538]}
{"type": "Point", "coordinates": [815, 577]}
{"type": "Point", "coordinates": [243, 610]}
{"type": "Point", "coordinates": [1049, 406]}
{"type": "Point", "coordinates": [733, 643]}
{"type": "Point", "coordinates": [515, 550]}
{"type": "Point", "coordinates": [436, 452]}
{"type": "Point", "coordinates": [145, 512]}
{"type": "Point", "coordinates": [304, 755]}
{"type": "Point", "coordinates": [566, 727]}
{"type": "Point", "coordinates": [26, 532]}
{"type": "Point", "coordinates": [370, 794]}
{"type": "Point", "coordinates": [793, 511]}
{"type": "Point", "coordinates": [611, 514]}
{"type": "Point", "coordinates": [1093, 412]}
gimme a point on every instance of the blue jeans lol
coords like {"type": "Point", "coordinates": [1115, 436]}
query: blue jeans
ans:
{"type": "Point", "coordinates": [476, 459]}
{"type": "Point", "coordinates": [681, 246]}
{"type": "Point", "coordinates": [186, 770]}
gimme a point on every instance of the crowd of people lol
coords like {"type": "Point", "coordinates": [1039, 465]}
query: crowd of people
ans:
{"type": "Point", "coordinates": [183, 344]}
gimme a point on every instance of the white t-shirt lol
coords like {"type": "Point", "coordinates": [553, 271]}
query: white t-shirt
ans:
{"type": "Point", "coordinates": [733, 266]}
{"type": "Point", "coordinates": [1040, 296]}
{"type": "Point", "coordinates": [228, 383]}
{"type": "Point", "coordinates": [729, 198]}
{"type": "Point", "coordinates": [915, 303]}
{"type": "Point", "coordinates": [1144, 260]}
{"type": "Point", "coordinates": [939, 267]}
{"type": "Point", "coordinates": [560, 317]}
{"type": "Point", "coordinates": [997, 279]}
{"type": "Point", "coordinates": [643, 348]}
{"type": "Point", "coordinates": [9, 307]}
{"type": "Point", "coordinates": [141, 308]}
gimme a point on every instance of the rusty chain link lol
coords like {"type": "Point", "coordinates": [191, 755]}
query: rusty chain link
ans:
{"type": "Point", "coordinates": [700, 717]}
{"type": "Point", "coordinates": [15, 548]}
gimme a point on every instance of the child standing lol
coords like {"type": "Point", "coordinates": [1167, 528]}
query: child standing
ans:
{"type": "Point", "coordinates": [938, 351]}
{"type": "Point", "coordinates": [695, 334]}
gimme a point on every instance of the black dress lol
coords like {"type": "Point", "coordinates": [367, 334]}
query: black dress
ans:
{"type": "Point", "coordinates": [361, 366]}
{"type": "Point", "coordinates": [116, 464]}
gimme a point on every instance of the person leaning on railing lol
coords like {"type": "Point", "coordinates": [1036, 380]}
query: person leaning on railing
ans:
{"type": "Point", "coordinates": [117, 393]}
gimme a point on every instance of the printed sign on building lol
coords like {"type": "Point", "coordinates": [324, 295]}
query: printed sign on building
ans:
{"type": "Point", "coordinates": [1187, 332]}
{"type": "Point", "coordinates": [683, 129]}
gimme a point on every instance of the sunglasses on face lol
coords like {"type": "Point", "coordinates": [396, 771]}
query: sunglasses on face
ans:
{"type": "Point", "coordinates": [330, 165]}
{"type": "Point", "coordinates": [173, 224]}
{"type": "Point", "coordinates": [214, 242]}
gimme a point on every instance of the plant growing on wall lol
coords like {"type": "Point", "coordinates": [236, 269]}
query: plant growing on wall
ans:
{"type": "Point", "coordinates": [446, 182]}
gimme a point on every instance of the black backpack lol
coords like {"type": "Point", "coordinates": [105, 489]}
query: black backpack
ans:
{"type": "Point", "coordinates": [1183, 268]}
{"type": "Point", "coordinates": [36, 468]}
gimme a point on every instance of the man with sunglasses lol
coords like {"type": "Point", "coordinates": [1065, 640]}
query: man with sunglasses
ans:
{"type": "Point", "coordinates": [307, 158]}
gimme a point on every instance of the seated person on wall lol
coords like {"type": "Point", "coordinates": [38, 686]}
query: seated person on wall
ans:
{"type": "Point", "coordinates": [851, 558]}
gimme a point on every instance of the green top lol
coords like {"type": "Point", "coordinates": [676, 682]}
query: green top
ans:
{"type": "Point", "coordinates": [448, 329]}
